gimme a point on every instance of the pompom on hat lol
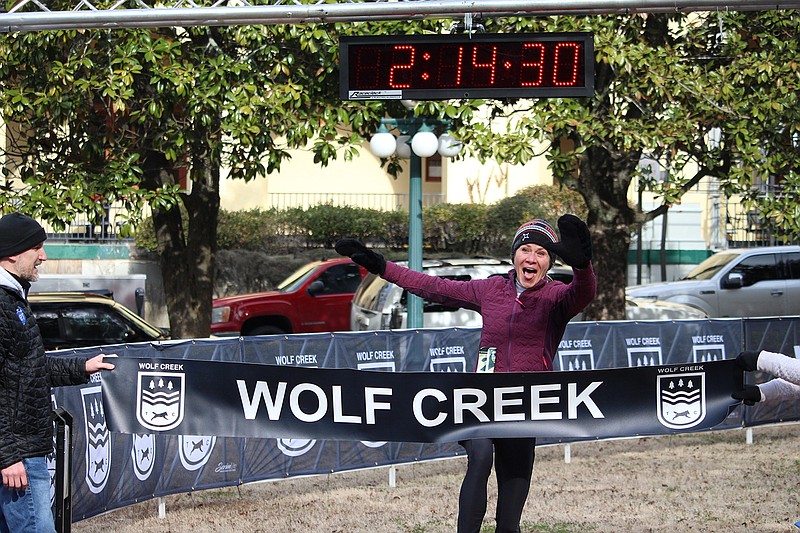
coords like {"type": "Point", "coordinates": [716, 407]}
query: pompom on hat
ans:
{"type": "Point", "coordinates": [537, 231]}
{"type": "Point", "coordinates": [19, 233]}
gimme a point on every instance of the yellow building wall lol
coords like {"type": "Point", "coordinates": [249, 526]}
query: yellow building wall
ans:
{"type": "Point", "coordinates": [463, 181]}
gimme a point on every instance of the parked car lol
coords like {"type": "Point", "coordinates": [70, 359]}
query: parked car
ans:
{"type": "Point", "coordinates": [741, 282]}
{"type": "Point", "coordinates": [82, 319]}
{"type": "Point", "coordinates": [314, 298]}
{"type": "Point", "coordinates": [379, 304]}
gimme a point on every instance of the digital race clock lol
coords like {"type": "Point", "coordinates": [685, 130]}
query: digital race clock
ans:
{"type": "Point", "coordinates": [442, 67]}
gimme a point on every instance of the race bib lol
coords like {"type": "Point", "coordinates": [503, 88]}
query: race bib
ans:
{"type": "Point", "coordinates": [486, 359]}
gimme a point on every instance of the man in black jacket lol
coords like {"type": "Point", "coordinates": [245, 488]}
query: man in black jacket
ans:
{"type": "Point", "coordinates": [26, 376]}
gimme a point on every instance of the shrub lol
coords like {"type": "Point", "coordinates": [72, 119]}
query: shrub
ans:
{"type": "Point", "coordinates": [455, 227]}
{"type": "Point", "coordinates": [253, 229]}
{"type": "Point", "coordinates": [554, 201]}
{"type": "Point", "coordinates": [395, 229]}
{"type": "Point", "coordinates": [325, 224]}
{"type": "Point", "coordinates": [538, 201]}
{"type": "Point", "coordinates": [258, 248]}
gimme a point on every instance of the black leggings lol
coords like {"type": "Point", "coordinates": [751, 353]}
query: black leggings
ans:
{"type": "Point", "coordinates": [513, 459]}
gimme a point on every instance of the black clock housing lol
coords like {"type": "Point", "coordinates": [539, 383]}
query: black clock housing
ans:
{"type": "Point", "coordinates": [455, 66]}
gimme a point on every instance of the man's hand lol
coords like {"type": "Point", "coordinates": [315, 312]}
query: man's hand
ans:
{"type": "Point", "coordinates": [96, 364]}
{"type": "Point", "coordinates": [575, 247]}
{"type": "Point", "coordinates": [360, 254]}
{"type": "Point", "coordinates": [15, 477]}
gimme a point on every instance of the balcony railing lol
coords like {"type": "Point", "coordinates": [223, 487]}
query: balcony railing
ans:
{"type": "Point", "coordinates": [88, 229]}
{"type": "Point", "coordinates": [381, 202]}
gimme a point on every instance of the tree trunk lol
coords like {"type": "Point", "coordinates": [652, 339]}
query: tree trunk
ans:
{"type": "Point", "coordinates": [604, 180]}
{"type": "Point", "coordinates": [187, 244]}
{"type": "Point", "coordinates": [610, 242]}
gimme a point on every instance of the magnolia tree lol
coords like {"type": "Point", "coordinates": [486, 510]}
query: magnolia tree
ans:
{"type": "Point", "coordinates": [714, 94]}
{"type": "Point", "coordinates": [120, 114]}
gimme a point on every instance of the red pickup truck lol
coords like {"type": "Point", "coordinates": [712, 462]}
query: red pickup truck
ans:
{"type": "Point", "coordinates": [315, 298]}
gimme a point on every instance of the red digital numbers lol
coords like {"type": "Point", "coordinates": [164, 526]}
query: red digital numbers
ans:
{"type": "Point", "coordinates": [485, 70]}
{"type": "Point", "coordinates": [400, 74]}
{"type": "Point", "coordinates": [562, 66]}
{"type": "Point", "coordinates": [532, 72]}
{"type": "Point", "coordinates": [459, 67]}
{"type": "Point", "coordinates": [567, 56]}
{"type": "Point", "coordinates": [451, 63]}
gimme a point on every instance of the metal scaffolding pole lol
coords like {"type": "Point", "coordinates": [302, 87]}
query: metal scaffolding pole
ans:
{"type": "Point", "coordinates": [33, 15]}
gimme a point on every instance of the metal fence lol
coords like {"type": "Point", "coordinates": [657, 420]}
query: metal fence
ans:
{"type": "Point", "coordinates": [92, 228]}
{"type": "Point", "coordinates": [382, 202]}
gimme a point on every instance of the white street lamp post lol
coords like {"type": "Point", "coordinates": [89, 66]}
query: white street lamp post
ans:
{"type": "Point", "coordinates": [417, 140]}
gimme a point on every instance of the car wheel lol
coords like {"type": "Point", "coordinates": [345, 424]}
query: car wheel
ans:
{"type": "Point", "coordinates": [267, 330]}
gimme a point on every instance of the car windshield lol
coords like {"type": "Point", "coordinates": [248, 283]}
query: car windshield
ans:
{"type": "Point", "coordinates": [710, 266]}
{"type": "Point", "coordinates": [142, 324]}
{"type": "Point", "coordinates": [296, 278]}
{"type": "Point", "coordinates": [370, 293]}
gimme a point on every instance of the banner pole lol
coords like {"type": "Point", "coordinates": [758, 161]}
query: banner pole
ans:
{"type": "Point", "coordinates": [63, 477]}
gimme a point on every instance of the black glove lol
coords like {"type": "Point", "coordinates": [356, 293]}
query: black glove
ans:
{"type": "Point", "coordinates": [575, 247]}
{"type": "Point", "coordinates": [352, 248]}
{"type": "Point", "coordinates": [748, 361]}
{"type": "Point", "coordinates": [750, 394]}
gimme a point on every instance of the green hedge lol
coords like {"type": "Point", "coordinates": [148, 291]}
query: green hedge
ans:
{"type": "Point", "coordinates": [259, 248]}
{"type": "Point", "coordinates": [447, 228]}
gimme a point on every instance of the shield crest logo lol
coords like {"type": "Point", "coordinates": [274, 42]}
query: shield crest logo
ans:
{"type": "Point", "coordinates": [195, 450]}
{"type": "Point", "coordinates": [143, 453]}
{"type": "Point", "coordinates": [681, 400]}
{"type": "Point", "coordinates": [295, 447]}
{"type": "Point", "coordinates": [159, 400]}
{"type": "Point", "coordinates": [98, 440]}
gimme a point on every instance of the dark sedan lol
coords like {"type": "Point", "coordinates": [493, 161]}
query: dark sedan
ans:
{"type": "Point", "coordinates": [81, 319]}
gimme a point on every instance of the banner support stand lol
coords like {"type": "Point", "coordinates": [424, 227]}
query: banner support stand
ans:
{"type": "Point", "coordinates": [62, 512]}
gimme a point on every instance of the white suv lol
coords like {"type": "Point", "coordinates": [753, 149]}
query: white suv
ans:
{"type": "Point", "coordinates": [380, 305]}
{"type": "Point", "coordinates": [742, 282]}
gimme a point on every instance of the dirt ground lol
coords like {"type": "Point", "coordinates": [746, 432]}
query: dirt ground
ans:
{"type": "Point", "coordinates": [706, 482]}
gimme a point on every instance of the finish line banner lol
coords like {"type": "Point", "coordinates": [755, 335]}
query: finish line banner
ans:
{"type": "Point", "coordinates": [195, 397]}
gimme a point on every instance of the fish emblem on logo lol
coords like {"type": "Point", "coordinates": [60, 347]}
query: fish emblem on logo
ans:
{"type": "Point", "coordinates": [159, 400]}
{"type": "Point", "coordinates": [98, 440]}
{"type": "Point", "coordinates": [681, 400]}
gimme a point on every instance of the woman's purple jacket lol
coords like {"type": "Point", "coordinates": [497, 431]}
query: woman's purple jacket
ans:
{"type": "Point", "coordinates": [525, 330]}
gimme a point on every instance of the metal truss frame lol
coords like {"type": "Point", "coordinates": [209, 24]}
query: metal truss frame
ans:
{"type": "Point", "coordinates": [34, 15]}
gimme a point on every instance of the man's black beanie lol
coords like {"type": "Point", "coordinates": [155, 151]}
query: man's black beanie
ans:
{"type": "Point", "coordinates": [18, 233]}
